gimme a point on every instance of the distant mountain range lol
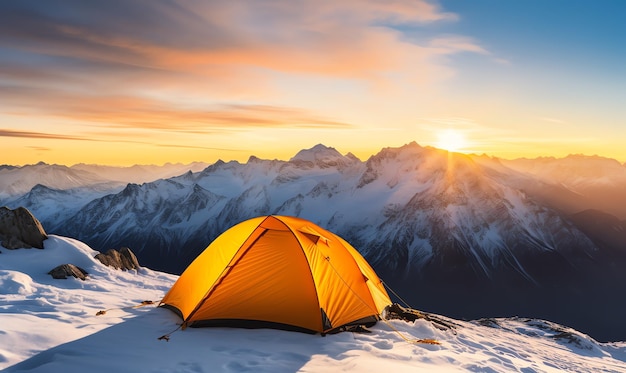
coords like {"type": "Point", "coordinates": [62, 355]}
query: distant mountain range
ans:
{"type": "Point", "coordinates": [465, 235]}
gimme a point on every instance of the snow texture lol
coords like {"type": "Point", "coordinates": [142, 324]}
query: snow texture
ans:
{"type": "Point", "coordinates": [51, 325]}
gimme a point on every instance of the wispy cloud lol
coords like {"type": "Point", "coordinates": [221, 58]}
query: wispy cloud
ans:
{"type": "Point", "coordinates": [37, 135]}
{"type": "Point", "coordinates": [552, 120]}
{"type": "Point", "coordinates": [338, 38]}
{"type": "Point", "coordinates": [40, 148]}
{"type": "Point", "coordinates": [56, 136]}
{"type": "Point", "coordinates": [211, 51]}
{"type": "Point", "coordinates": [143, 113]}
{"type": "Point", "coordinates": [455, 44]}
{"type": "Point", "coordinates": [155, 71]}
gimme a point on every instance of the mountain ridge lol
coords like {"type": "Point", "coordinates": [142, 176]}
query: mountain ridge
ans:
{"type": "Point", "coordinates": [437, 225]}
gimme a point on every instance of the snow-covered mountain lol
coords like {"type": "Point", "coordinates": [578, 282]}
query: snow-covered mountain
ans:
{"type": "Point", "coordinates": [402, 208]}
{"type": "Point", "coordinates": [16, 181]}
{"type": "Point", "coordinates": [51, 325]}
{"type": "Point", "coordinates": [469, 236]}
{"type": "Point", "coordinates": [140, 173]}
{"type": "Point", "coordinates": [595, 182]}
{"type": "Point", "coordinates": [58, 205]}
{"type": "Point", "coordinates": [56, 192]}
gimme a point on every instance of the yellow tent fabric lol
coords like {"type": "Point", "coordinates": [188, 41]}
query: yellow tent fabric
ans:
{"type": "Point", "coordinates": [282, 272]}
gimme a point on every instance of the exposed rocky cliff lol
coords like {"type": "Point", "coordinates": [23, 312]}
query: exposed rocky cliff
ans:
{"type": "Point", "coordinates": [20, 229]}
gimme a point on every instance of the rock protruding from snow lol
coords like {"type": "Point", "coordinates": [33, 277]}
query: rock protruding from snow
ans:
{"type": "Point", "coordinates": [20, 229]}
{"type": "Point", "coordinates": [65, 270]}
{"type": "Point", "coordinates": [123, 259]}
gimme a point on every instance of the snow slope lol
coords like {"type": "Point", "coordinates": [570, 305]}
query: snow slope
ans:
{"type": "Point", "coordinates": [38, 312]}
{"type": "Point", "coordinates": [50, 325]}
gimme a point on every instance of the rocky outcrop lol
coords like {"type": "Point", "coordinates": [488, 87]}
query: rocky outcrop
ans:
{"type": "Point", "coordinates": [20, 229]}
{"type": "Point", "coordinates": [123, 259]}
{"type": "Point", "coordinates": [65, 270]}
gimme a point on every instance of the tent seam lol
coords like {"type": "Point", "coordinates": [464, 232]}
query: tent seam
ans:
{"type": "Point", "coordinates": [225, 272]}
{"type": "Point", "coordinates": [317, 296]}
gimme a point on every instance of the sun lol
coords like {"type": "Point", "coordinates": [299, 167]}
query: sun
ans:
{"type": "Point", "coordinates": [451, 140]}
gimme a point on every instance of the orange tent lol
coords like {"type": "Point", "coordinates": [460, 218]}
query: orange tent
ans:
{"type": "Point", "coordinates": [278, 272]}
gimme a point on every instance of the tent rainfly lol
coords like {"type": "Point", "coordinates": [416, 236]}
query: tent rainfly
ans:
{"type": "Point", "coordinates": [278, 272]}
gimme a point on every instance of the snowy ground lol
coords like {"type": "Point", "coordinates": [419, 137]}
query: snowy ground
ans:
{"type": "Point", "coordinates": [50, 325]}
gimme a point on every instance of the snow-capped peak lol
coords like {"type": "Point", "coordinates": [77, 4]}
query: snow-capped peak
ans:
{"type": "Point", "coordinates": [322, 156]}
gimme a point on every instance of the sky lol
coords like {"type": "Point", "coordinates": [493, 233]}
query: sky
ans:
{"type": "Point", "coordinates": [153, 81]}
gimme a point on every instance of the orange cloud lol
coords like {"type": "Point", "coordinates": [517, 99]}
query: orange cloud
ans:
{"type": "Point", "coordinates": [226, 40]}
{"type": "Point", "coordinates": [144, 113]}
{"type": "Point", "coordinates": [171, 66]}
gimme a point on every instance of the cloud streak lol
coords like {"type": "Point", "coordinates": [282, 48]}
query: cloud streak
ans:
{"type": "Point", "coordinates": [37, 135]}
{"type": "Point", "coordinates": [171, 72]}
{"type": "Point", "coordinates": [150, 114]}
{"type": "Point", "coordinates": [187, 49]}
{"type": "Point", "coordinates": [552, 120]}
{"type": "Point", "coordinates": [319, 37]}
{"type": "Point", "coordinates": [55, 136]}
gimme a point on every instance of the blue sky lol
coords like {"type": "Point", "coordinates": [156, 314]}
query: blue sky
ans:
{"type": "Point", "coordinates": [572, 43]}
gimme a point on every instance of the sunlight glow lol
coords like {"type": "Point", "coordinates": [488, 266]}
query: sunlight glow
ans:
{"type": "Point", "coordinates": [451, 140]}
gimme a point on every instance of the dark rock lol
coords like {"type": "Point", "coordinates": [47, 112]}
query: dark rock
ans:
{"type": "Point", "coordinates": [123, 259]}
{"type": "Point", "coordinates": [129, 257]}
{"type": "Point", "coordinates": [65, 270]}
{"type": "Point", "coordinates": [20, 229]}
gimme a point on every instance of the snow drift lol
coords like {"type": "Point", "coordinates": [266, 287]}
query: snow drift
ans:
{"type": "Point", "coordinates": [50, 326]}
